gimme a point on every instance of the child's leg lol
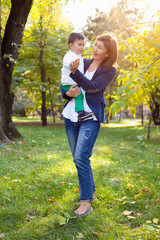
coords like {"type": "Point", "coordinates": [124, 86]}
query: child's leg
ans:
{"type": "Point", "coordinates": [79, 103]}
{"type": "Point", "coordinates": [66, 87]}
{"type": "Point", "coordinates": [78, 100]}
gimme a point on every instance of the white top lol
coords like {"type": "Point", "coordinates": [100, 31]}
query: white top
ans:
{"type": "Point", "coordinates": [68, 58]}
{"type": "Point", "coordinates": [69, 110]}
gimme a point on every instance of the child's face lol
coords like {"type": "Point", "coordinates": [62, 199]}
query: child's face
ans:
{"type": "Point", "coordinates": [77, 46]}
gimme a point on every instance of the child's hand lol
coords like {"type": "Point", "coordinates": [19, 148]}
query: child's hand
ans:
{"type": "Point", "coordinates": [74, 65]}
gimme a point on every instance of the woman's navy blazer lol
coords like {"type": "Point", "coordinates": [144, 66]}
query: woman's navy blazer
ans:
{"type": "Point", "coordinates": [94, 88]}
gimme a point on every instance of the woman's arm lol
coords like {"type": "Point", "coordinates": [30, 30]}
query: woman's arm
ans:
{"type": "Point", "coordinates": [99, 82]}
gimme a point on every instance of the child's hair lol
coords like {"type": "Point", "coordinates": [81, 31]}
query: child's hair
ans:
{"type": "Point", "coordinates": [73, 36]}
{"type": "Point", "coordinates": [110, 44]}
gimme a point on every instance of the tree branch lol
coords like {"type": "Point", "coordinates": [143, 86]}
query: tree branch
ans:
{"type": "Point", "coordinates": [151, 64]}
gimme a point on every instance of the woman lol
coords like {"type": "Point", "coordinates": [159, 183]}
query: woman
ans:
{"type": "Point", "coordinates": [98, 73]}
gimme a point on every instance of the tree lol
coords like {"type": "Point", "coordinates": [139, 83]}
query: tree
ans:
{"type": "Point", "coordinates": [10, 46]}
{"type": "Point", "coordinates": [120, 18]}
{"type": "Point", "coordinates": [39, 65]}
{"type": "Point", "coordinates": [141, 82]}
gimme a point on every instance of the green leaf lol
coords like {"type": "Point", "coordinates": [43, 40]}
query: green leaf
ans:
{"type": "Point", "coordinates": [61, 220]}
{"type": "Point", "coordinates": [67, 215]}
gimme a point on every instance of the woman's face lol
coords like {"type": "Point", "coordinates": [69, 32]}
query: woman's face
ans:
{"type": "Point", "coordinates": [99, 51]}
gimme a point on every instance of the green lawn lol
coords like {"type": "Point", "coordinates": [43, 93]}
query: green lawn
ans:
{"type": "Point", "coordinates": [35, 119]}
{"type": "Point", "coordinates": [39, 185]}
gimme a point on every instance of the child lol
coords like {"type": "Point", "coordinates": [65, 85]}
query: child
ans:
{"type": "Point", "coordinates": [76, 45]}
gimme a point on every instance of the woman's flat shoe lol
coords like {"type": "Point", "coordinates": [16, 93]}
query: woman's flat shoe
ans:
{"type": "Point", "coordinates": [85, 213]}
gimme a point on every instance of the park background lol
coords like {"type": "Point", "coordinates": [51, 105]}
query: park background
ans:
{"type": "Point", "coordinates": [38, 182]}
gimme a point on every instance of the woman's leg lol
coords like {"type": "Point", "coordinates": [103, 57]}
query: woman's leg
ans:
{"type": "Point", "coordinates": [72, 131]}
{"type": "Point", "coordinates": [88, 133]}
{"type": "Point", "coordinates": [81, 137]}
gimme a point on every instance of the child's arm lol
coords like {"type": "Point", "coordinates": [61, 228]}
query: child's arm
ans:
{"type": "Point", "coordinates": [68, 58]}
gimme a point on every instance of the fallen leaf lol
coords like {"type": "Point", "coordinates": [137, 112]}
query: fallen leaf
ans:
{"type": "Point", "coordinates": [95, 233]}
{"type": "Point", "coordinates": [2, 235]}
{"type": "Point", "coordinates": [155, 220]}
{"type": "Point", "coordinates": [62, 183]}
{"type": "Point", "coordinates": [130, 185]}
{"type": "Point", "coordinates": [123, 198]}
{"type": "Point", "coordinates": [152, 185]}
{"type": "Point", "coordinates": [107, 152]}
{"type": "Point", "coordinates": [79, 236]}
{"type": "Point", "coordinates": [127, 212]}
{"type": "Point", "coordinates": [139, 214]}
{"type": "Point", "coordinates": [20, 229]}
{"type": "Point", "coordinates": [8, 199]}
{"type": "Point", "coordinates": [142, 161]}
{"type": "Point", "coordinates": [131, 217]}
{"type": "Point", "coordinates": [76, 190]}
{"type": "Point", "coordinates": [51, 199]}
{"type": "Point", "coordinates": [29, 217]}
{"type": "Point", "coordinates": [148, 221]}
{"type": "Point", "coordinates": [16, 180]}
{"type": "Point", "coordinates": [61, 220]}
{"type": "Point", "coordinates": [138, 195]}
{"type": "Point", "coordinates": [132, 202]}
{"type": "Point", "coordinates": [2, 178]}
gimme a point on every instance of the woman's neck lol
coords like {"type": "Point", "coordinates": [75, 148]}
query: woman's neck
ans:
{"type": "Point", "coordinates": [94, 65]}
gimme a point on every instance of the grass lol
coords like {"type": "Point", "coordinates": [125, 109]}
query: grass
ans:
{"type": "Point", "coordinates": [39, 186]}
{"type": "Point", "coordinates": [35, 119]}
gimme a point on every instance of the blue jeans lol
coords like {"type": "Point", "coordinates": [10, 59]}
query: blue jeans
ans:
{"type": "Point", "coordinates": [81, 138]}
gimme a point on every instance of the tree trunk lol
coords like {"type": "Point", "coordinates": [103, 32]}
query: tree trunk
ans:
{"type": "Point", "coordinates": [151, 114]}
{"type": "Point", "coordinates": [53, 115]}
{"type": "Point", "coordinates": [156, 111]}
{"type": "Point", "coordinates": [44, 110]}
{"type": "Point", "coordinates": [149, 124]}
{"type": "Point", "coordinates": [8, 55]}
{"type": "Point", "coordinates": [142, 115]}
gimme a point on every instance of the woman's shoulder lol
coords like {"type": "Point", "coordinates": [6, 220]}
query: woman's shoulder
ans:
{"type": "Point", "coordinates": [107, 69]}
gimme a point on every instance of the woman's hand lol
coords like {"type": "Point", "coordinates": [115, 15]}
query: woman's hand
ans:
{"type": "Point", "coordinates": [74, 65]}
{"type": "Point", "coordinates": [74, 91]}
